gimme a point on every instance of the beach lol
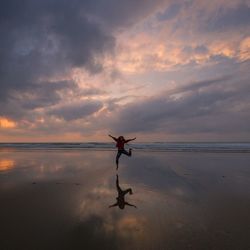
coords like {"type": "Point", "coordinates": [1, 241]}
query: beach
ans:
{"type": "Point", "coordinates": [59, 199]}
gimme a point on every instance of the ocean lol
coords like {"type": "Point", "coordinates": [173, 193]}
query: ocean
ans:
{"type": "Point", "coordinates": [233, 147]}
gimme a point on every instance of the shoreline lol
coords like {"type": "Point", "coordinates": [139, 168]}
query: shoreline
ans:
{"type": "Point", "coordinates": [218, 147]}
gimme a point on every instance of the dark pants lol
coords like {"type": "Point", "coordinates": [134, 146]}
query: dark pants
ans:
{"type": "Point", "coordinates": [120, 152]}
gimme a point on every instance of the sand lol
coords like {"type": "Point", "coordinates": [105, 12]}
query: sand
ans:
{"type": "Point", "coordinates": [59, 199]}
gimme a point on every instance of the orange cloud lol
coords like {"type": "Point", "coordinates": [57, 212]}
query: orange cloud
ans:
{"type": "Point", "coordinates": [6, 123]}
{"type": "Point", "coordinates": [245, 49]}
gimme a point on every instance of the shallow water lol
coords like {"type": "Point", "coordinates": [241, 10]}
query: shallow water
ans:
{"type": "Point", "coordinates": [59, 199]}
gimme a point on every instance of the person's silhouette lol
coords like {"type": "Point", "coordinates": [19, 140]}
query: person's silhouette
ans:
{"type": "Point", "coordinates": [120, 142]}
{"type": "Point", "coordinates": [121, 203]}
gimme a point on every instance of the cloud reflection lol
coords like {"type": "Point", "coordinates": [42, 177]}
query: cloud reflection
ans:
{"type": "Point", "coordinates": [181, 198]}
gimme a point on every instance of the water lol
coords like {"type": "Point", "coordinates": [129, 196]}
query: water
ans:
{"type": "Point", "coordinates": [60, 198]}
{"type": "Point", "coordinates": [156, 146]}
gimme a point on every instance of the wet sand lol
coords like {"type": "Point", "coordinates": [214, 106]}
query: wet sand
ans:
{"type": "Point", "coordinates": [59, 199]}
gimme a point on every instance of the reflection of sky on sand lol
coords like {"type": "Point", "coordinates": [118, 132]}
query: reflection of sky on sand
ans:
{"type": "Point", "coordinates": [184, 201]}
{"type": "Point", "coordinates": [6, 164]}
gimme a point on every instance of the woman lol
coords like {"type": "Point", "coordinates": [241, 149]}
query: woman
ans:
{"type": "Point", "coordinates": [120, 142]}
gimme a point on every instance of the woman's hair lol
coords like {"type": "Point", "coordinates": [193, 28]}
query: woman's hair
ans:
{"type": "Point", "coordinates": [121, 138]}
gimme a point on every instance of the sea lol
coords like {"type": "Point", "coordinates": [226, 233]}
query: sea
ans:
{"type": "Point", "coordinates": [230, 147]}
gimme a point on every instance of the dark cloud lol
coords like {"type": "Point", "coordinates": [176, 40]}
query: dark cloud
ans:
{"type": "Point", "coordinates": [44, 94]}
{"type": "Point", "coordinates": [40, 95]}
{"type": "Point", "coordinates": [113, 13]}
{"type": "Point", "coordinates": [170, 13]}
{"type": "Point", "coordinates": [217, 105]}
{"type": "Point", "coordinates": [45, 39]}
{"type": "Point", "coordinates": [228, 18]}
{"type": "Point", "coordinates": [76, 110]}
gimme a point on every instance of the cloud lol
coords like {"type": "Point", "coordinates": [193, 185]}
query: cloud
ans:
{"type": "Point", "coordinates": [46, 38]}
{"type": "Point", "coordinates": [5, 123]}
{"type": "Point", "coordinates": [211, 106]}
{"type": "Point", "coordinates": [228, 18]}
{"type": "Point", "coordinates": [40, 95]}
{"type": "Point", "coordinates": [170, 12]}
{"type": "Point", "coordinates": [76, 110]}
{"type": "Point", "coordinates": [194, 33]}
{"type": "Point", "coordinates": [92, 91]}
{"type": "Point", "coordinates": [123, 14]}
{"type": "Point", "coordinates": [43, 41]}
{"type": "Point", "coordinates": [244, 54]}
{"type": "Point", "coordinates": [62, 62]}
{"type": "Point", "coordinates": [45, 94]}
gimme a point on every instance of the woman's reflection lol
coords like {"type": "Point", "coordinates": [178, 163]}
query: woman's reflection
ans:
{"type": "Point", "coordinates": [121, 196]}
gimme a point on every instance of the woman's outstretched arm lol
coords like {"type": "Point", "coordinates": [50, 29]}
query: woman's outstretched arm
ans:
{"type": "Point", "coordinates": [115, 139]}
{"type": "Point", "coordinates": [130, 140]}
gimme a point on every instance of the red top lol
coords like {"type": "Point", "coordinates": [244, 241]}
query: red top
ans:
{"type": "Point", "coordinates": [120, 144]}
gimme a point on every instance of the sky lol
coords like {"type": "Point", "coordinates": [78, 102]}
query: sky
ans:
{"type": "Point", "coordinates": [160, 70]}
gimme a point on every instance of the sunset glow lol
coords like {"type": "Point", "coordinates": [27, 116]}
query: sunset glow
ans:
{"type": "Point", "coordinates": [162, 70]}
{"type": "Point", "coordinates": [5, 123]}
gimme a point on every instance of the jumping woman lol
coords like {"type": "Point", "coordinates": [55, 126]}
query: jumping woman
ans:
{"type": "Point", "coordinates": [120, 142]}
